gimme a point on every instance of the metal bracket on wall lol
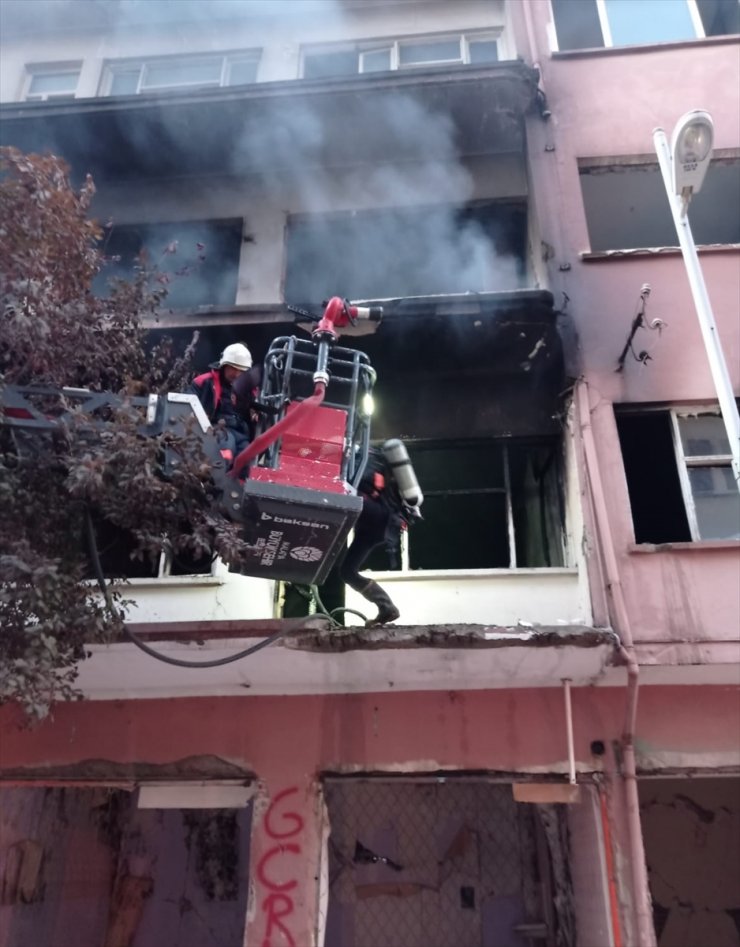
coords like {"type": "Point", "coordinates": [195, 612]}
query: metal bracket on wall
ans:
{"type": "Point", "coordinates": [545, 793]}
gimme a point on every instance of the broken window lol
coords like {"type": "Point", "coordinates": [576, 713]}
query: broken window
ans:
{"type": "Point", "coordinates": [442, 862]}
{"type": "Point", "coordinates": [679, 476]}
{"type": "Point", "coordinates": [589, 24]}
{"type": "Point", "coordinates": [55, 82]}
{"type": "Point", "coordinates": [196, 261]}
{"type": "Point", "coordinates": [409, 53]}
{"type": "Point", "coordinates": [415, 251]}
{"type": "Point", "coordinates": [87, 866]}
{"type": "Point", "coordinates": [487, 505]}
{"type": "Point", "coordinates": [627, 208]}
{"type": "Point", "coordinates": [175, 73]}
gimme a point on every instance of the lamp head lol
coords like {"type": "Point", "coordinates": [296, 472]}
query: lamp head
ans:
{"type": "Point", "coordinates": [691, 147]}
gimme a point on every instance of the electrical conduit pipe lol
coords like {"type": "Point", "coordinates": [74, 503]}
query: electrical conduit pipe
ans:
{"type": "Point", "coordinates": [623, 628]}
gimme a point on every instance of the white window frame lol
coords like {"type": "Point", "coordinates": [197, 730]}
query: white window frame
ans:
{"type": "Point", "coordinates": [394, 46]}
{"type": "Point", "coordinates": [41, 69]}
{"type": "Point", "coordinates": [684, 463]}
{"type": "Point", "coordinates": [113, 66]}
{"type": "Point", "coordinates": [606, 33]}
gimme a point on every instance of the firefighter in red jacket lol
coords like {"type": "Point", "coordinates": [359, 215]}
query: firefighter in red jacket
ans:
{"type": "Point", "coordinates": [214, 390]}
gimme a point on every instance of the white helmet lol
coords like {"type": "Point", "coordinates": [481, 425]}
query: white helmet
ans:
{"type": "Point", "coordinates": [236, 355]}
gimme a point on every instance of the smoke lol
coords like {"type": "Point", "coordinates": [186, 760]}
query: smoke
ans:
{"type": "Point", "coordinates": [404, 225]}
{"type": "Point", "coordinates": [407, 227]}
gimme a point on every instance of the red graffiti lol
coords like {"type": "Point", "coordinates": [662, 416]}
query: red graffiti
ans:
{"type": "Point", "coordinates": [290, 817]}
{"type": "Point", "coordinates": [278, 905]}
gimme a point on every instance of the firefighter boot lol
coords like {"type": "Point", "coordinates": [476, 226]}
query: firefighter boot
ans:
{"type": "Point", "coordinates": [387, 611]}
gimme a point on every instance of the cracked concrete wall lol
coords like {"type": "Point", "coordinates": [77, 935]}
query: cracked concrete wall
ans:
{"type": "Point", "coordinates": [692, 841]}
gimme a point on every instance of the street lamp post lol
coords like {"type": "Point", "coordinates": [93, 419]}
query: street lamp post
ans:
{"type": "Point", "coordinates": [683, 164]}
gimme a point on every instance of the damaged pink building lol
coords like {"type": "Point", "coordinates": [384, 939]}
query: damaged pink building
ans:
{"type": "Point", "coordinates": [545, 747]}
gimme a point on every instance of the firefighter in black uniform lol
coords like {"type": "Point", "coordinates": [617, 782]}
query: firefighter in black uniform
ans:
{"type": "Point", "coordinates": [384, 515]}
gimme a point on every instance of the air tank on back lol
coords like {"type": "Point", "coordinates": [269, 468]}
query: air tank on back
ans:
{"type": "Point", "coordinates": [398, 460]}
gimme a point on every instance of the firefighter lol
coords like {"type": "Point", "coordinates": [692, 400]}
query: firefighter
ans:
{"type": "Point", "coordinates": [385, 513]}
{"type": "Point", "coordinates": [215, 392]}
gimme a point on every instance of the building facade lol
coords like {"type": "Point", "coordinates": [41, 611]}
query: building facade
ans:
{"type": "Point", "coordinates": [545, 747]}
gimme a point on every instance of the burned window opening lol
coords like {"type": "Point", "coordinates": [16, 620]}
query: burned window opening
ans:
{"type": "Point", "coordinates": [627, 209]}
{"type": "Point", "coordinates": [197, 262]}
{"type": "Point", "coordinates": [488, 505]}
{"type": "Point", "coordinates": [414, 251]}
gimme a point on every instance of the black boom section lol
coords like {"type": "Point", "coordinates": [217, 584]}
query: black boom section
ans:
{"type": "Point", "coordinates": [295, 534]}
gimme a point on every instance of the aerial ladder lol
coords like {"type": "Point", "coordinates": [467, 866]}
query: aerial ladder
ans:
{"type": "Point", "coordinates": [295, 487]}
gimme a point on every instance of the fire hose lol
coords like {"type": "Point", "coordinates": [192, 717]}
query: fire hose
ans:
{"type": "Point", "coordinates": [152, 652]}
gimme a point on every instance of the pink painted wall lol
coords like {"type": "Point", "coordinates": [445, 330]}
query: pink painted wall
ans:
{"type": "Point", "coordinates": [289, 742]}
{"type": "Point", "coordinates": [606, 104]}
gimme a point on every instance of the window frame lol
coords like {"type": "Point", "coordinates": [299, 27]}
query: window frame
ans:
{"type": "Point", "coordinates": [684, 463]}
{"type": "Point", "coordinates": [394, 46]}
{"type": "Point", "coordinates": [227, 60]}
{"type": "Point", "coordinates": [405, 567]}
{"type": "Point", "coordinates": [32, 70]}
{"type": "Point", "coordinates": [606, 33]}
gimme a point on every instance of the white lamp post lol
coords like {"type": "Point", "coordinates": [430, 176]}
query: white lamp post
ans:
{"type": "Point", "coordinates": [683, 164]}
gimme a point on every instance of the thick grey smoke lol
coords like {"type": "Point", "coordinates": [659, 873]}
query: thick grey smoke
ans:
{"type": "Point", "coordinates": [386, 227]}
{"type": "Point", "coordinates": [408, 232]}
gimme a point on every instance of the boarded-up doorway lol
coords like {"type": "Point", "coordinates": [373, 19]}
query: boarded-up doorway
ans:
{"type": "Point", "coordinates": [448, 863]}
{"type": "Point", "coordinates": [88, 868]}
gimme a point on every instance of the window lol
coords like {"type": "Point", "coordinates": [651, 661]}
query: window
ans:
{"type": "Point", "coordinates": [198, 261]}
{"type": "Point", "coordinates": [472, 48]}
{"type": "Point", "coordinates": [51, 82]}
{"type": "Point", "coordinates": [178, 73]}
{"type": "Point", "coordinates": [588, 24]}
{"type": "Point", "coordinates": [116, 546]}
{"type": "Point", "coordinates": [680, 481]}
{"type": "Point", "coordinates": [627, 208]}
{"type": "Point", "coordinates": [407, 251]}
{"type": "Point", "coordinates": [486, 506]}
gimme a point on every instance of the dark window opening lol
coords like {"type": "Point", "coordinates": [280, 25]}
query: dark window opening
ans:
{"type": "Point", "coordinates": [679, 476]}
{"type": "Point", "coordinates": [190, 563]}
{"type": "Point", "coordinates": [119, 558]}
{"type": "Point", "coordinates": [627, 207]}
{"type": "Point", "coordinates": [407, 252]}
{"type": "Point", "coordinates": [477, 497]}
{"type": "Point", "coordinates": [648, 452]}
{"type": "Point", "coordinates": [719, 17]}
{"type": "Point", "coordinates": [577, 23]}
{"type": "Point", "coordinates": [116, 548]}
{"type": "Point", "coordinates": [197, 261]}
